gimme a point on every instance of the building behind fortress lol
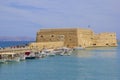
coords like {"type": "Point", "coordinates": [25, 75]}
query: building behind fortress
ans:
{"type": "Point", "coordinates": [73, 37]}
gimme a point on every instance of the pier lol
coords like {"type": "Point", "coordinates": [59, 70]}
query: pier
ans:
{"type": "Point", "coordinates": [13, 54]}
{"type": "Point", "coordinates": [16, 50]}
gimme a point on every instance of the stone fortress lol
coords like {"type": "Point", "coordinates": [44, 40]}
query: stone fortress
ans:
{"type": "Point", "coordinates": [73, 37]}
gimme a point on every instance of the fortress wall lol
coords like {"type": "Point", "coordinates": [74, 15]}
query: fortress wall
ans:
{"type": "Point", "coordinates": [105, 39]}
{"type": "Point", "coordinates": [85, 37]}
{"type": "Point", "coordinates": [69, 36]}
{"type": "Point", "coordinates": [73, 37]}
{"type": "Point", "coordinates": [48, 45]}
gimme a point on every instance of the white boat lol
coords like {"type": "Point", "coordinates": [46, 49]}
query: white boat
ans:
{"type": "Point", "coordinates": [2, 60]}
{"type": "Point", "coordinates": [11, 57]}
{"type": "Point", "coordinates": [40, 54]}
{"type": "Point", "coordinates": [37, 54]}
{"type": "Point", "coordinates": [58, 51]}
{"type": "Point", "coordinates": [47, 52]}
{"type": "Point", "coordinates": [22, 56]}
{"type": "Point", "coordinates": [67, 51]}
{"type": "Point", "coordinates": [63, 51]}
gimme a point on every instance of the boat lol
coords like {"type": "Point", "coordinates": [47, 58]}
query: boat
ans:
{"type": "Point", "coordinates": [11, 57]}
{"type": "Point", "coordinates": [49, 52]}
{"type": "Point", "coordinates": [58, 51]}
{"type": "Point", "coordinates": [62, 51]}
{"type": "Point", "coordinates": [29, 55]}
{"type": "Point", "coordinates": [46, 52]}
{"type": "Point", "coordinates": [2, 60]}
{"type": "Point", "coordinates": [22, 56]}
{"type": "Point", "coordinates": [37, 54]}
{"type": "Point", "coordinates": [42, 54]}
{"type": "Point", "coordinates": [67, 51]}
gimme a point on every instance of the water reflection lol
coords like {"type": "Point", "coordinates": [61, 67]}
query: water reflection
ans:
{"type": "Point", "coordinates": [110, 52]}
{"type": "Point", "coordinates": [98, 64]}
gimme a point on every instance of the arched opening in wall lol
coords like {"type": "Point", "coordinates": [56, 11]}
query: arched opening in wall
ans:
{"type": "Point", "coordinates": [52, 35]}
{"type": "Point", "coordinates": [70, 39]}
{"type": "Point", "coordinates": [68, 45]}
{"type": "Point", "coordinates": [91, 38]}
{"type": "Point", "coordinates": [50, 39]}
{"type": "Point", "coordinates": [107, 44]}
{"type": "Point", "coordinates": [94, 44]}
{"type": "Point", "coordinates": [41, 36]}
{"type": "Point", "coordinates": [61, 37]}
{"type": "Point", "coordinates": [113, 44]}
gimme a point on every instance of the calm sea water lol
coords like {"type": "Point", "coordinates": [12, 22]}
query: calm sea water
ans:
{"type": "Point", "coordinates": [89, 64]}
{"type": "Point", "coordinates": [13, 43]}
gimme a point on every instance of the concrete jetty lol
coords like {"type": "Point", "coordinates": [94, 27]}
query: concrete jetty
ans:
{"type": "Point", "coordinates": [15, 50]}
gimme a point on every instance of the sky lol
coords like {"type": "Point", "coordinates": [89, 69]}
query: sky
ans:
{"type": "Point", "coordinates": [26, 17]}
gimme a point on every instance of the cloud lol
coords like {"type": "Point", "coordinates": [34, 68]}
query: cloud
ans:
{"type": "Point", "coordinates": [102, 15]}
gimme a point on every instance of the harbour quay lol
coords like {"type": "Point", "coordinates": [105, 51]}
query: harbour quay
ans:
{"type": "Point", "coordinates": [19, 54]}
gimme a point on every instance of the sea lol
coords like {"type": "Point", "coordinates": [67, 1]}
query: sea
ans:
{"type": "Point", "coordinates": [101, 63]}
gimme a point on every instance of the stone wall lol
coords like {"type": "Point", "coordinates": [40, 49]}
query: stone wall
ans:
{"type": "Point", "coordinates": [85, 37]}
{"type": "Point", "coordinates": [74, 37]}
{"type": "Point", "coordinates": [49, 45]}
{"type": "Point", "coordinates": [68, 36]}
{"type": "Point", "coordinates": [105, 39]}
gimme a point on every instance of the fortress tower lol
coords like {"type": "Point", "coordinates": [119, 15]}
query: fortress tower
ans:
{"type": "Point", "coordinates": [74, 37]}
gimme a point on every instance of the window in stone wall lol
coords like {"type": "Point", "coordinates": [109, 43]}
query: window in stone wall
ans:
{"type": "Point", "coordinates": [52, 35]}
{"type": "Point", "coordinates": [107, 44]}
{"type": "Point", "coordinates": [41, 36]}
{"type": "Point", "coordinates": [61, 37]}
{"type": "Point", "coordinates": [68, 45]}
{"type": "Point", "coordinates": [113, 43]}
{"type": "Point", "coordinates": [50, 39]}
{"type": "Point", "coordinates": [91, 38]}
{"type": "Point", "coordinates": [94, 44]}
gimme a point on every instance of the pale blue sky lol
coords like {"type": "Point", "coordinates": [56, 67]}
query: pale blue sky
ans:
{"type": "Point", "coordinates": [26, 17]}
